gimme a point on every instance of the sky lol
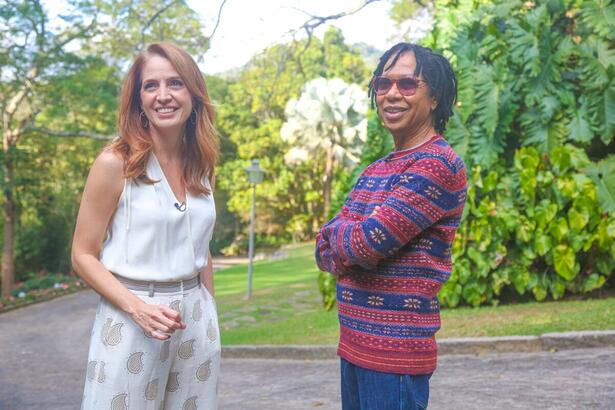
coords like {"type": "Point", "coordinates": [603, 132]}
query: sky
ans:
{"type": "Point", "coordinates": [247, 27]}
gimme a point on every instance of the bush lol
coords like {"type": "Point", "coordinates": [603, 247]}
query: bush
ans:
{"type": "Point", "coordinates": [537, 227]}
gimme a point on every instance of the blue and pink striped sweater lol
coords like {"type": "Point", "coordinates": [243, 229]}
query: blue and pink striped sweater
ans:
{"type": "Point", "coordinates": [390, 246]}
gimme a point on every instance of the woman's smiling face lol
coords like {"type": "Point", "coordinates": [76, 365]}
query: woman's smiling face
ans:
{"type": "Point", "coordinates": [166, 101]}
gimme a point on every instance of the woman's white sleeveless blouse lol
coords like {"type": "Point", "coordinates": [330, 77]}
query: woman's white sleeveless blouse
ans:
{"type": "Point", "coordinates": [150, 239]}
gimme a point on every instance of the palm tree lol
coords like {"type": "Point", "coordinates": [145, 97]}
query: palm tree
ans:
{"type": "Point", "coordinates": [327, 123]}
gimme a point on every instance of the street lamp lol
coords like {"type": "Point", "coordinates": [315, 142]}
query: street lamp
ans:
{"type": "Point", "coordinates": [255, 177]}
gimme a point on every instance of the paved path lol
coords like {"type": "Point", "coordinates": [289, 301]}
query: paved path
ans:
{"type": "Point", "coordinates": [43, 350]}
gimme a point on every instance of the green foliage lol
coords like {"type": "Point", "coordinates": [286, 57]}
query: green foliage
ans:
{"type": "Point", "coordinates": [132, 24]}
{"type": "Point", "coordinates": [327, 288]}
{"type": "Point", "coordinates": [289, 201]}
{"type": "Point", "coordinates": [535, 93]}
{"type": "Point", "coordinates": [539, 74]}
{"type": "Point", "coordinates": [61, 76]}
{"type": "Point", "coordinates": [51, 175]}
{"type": "Point", "coordinates": [402, 10]}
{"type": "Point", "coordinates": [603, 175]}
{"type": "Point", "coordinates": [536, 227]}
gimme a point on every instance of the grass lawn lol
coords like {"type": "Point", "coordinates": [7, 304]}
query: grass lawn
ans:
{"type": "Point", "coordinates": [285, 309]}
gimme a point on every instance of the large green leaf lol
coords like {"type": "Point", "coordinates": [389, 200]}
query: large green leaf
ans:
{"type": "Point", "coordinates": [542, 243]}
{"type": "Point", "coordinates": [603, 51]}
{"type": "Point", "coordinates": [488, 98]}
{"type": "Point", "coordinates": [525, 229]}
{"type": "Point", "coordinates": [593, 281]}
{"type": "Point", "coordinates": [558, 287]}
{"type": "Point", "coordinates": [540, 292]}
{"type": "Point", "coordinates": [559, 229]}
{"type": "Point", "coordinates": [599, 15]}
{"type": "Point", "coordinates": [564, 262]}
{"type": "Point", "coordinates": [603, 175]}
{"type": "Point", "coordinates": [578, 218]}
{"type": "Point", "coordinates": [458, 135]}
{"type": "Point", "coordinates": [544, 212]}
{"type": "Point", "coordinates": [605, 265]}
{"type": "Point", "coordinates": [524, 48]}
{"type": "Point", "coordinates": [546, 134]}
{"type": "Point", "coordinates": [527, 158]}
{"type": "Point", "coordinates": [521, 278]}
{"type": "Point", "coordinates": [605, 112]}
{"type": "Point", "coordinates": [466, 100]}
{"type": "Point", "coordinates": [579, 128]}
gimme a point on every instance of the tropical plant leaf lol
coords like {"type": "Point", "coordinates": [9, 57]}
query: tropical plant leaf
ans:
{"type": "Point", "coordinates": [484, 148]}
{"type": "Point", "coordinates": [594, 281]}
{"type": "Point", "coordinates": [603, 175]}
{"type": "Point", "coordinates": [458, 136]}
{"type": "Point", "coordinates": [544, 213]}
{"type": "Point", "coordinates": [599, 15]}
{"type": "Point", "coordinates": [545, 135]}
{"type": "Point", "coordinates": [542, 243]}
{"type": "Point", "coordinates": [579, 128]}
{"type": "Point", "coordinates": [605, 52]}
{"type": "Point", "coordinates": [488, 98]}
{"type": "Point", "coordinates": [549, 105]}
{"type": "Point", "coordinates": [594, 74]}
{"type": "Point", "coordinates": [524, 48]}
{"type": "Point", "coordinates": [606, 113]}
{"type": "Point", "coordinates": [564, 262]}
{"type": "Point", "coordinates": [466, 101]}
{"type": "Point", "coordinates": [578, 218]}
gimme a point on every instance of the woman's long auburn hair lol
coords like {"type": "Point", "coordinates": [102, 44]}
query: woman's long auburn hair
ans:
{"type": "Point", "coordinates": [200, 149]}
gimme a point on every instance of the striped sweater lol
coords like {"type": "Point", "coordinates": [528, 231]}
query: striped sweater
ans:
{"type": "Point", "coordinates": [390, 246]}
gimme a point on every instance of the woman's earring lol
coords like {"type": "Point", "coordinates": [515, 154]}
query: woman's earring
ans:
{"type": "Point", "coordinates": [193, 117]}
{"type": "Point", "coordinates": [143, 119]}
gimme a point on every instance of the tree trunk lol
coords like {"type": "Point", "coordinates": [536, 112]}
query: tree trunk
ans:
{"type": "Point", "coordinates": [8, 249]}
{"type": "Point", "coordinates": [328, 182]}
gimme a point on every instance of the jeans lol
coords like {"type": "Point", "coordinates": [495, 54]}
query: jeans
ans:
{"type": "Point", "coordinates": [364, 389]}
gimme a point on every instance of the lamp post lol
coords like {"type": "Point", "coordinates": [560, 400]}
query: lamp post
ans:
{"type": "Point", "coordinates": [255, 177]}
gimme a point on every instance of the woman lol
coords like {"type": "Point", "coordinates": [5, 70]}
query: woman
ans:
{"type": "Point", "coordinates": [390, 245]}
{"type": "Point", "coordinates": [155, 340]}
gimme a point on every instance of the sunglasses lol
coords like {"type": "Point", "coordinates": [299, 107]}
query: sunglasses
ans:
{"type": "Point", "coordinates": [406, 86]}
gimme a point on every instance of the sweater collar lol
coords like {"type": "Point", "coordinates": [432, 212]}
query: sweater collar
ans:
{"type": "Point", "coordinates": [402, 153]}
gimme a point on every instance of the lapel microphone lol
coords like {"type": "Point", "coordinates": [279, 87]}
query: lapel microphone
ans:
{"type": "Point", "coordinates": [180, 207]}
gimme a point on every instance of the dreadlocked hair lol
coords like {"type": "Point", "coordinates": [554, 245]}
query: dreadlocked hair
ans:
{"type": "Point", "coordinates": [436, 71]}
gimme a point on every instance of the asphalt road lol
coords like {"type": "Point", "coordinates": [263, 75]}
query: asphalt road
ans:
{"type": "Point", "coordinates": [43, 352]}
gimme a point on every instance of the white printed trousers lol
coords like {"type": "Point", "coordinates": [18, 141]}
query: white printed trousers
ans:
{"type": "Point", "coordinates": [128, 370]}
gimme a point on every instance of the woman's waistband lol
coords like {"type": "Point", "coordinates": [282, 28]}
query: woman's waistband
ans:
{"type": "Point", "coordinates": [160, 287]}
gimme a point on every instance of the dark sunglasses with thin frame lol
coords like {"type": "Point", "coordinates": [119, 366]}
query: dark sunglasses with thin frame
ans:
{"type": "Point", "coordinates": [406, 86]}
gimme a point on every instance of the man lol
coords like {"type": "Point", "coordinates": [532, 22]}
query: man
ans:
{"type": "Point", "coordinates": [390, 245]}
